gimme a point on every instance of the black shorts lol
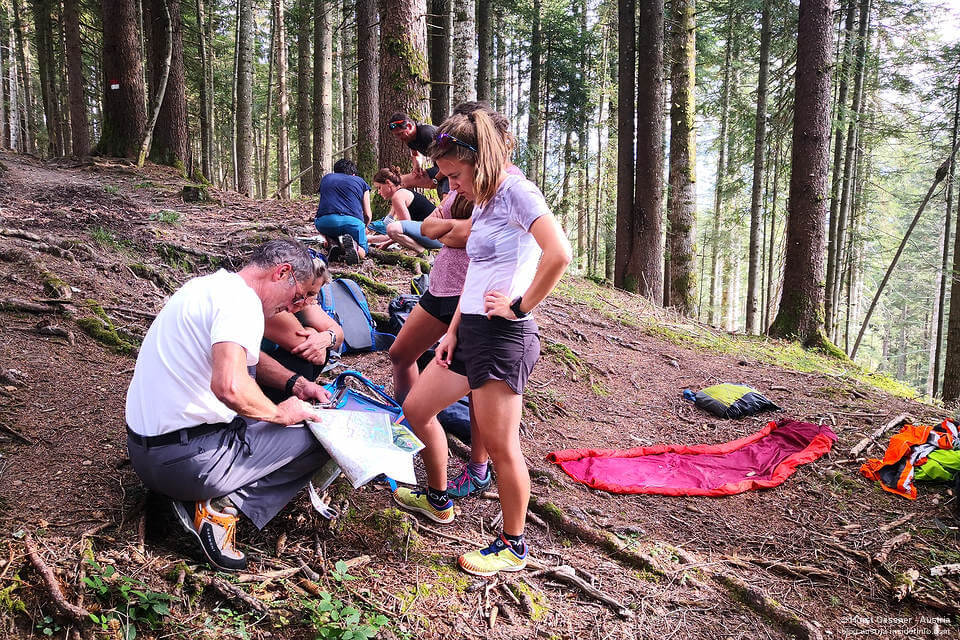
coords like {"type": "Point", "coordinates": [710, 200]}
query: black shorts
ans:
{"type": "Point", "coordinates": [440, 307]}
{"type": "Point", "coordinates": [496, 349]}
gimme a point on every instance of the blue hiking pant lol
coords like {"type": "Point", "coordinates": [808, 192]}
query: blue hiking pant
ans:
{"type": "Point", "coordinates": [335, 225]}
{"type": "Point", "coordinates": [412, 228]}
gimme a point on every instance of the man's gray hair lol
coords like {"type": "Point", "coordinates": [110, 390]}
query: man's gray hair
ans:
{"type": "Point", "coordinates": [288, 251]}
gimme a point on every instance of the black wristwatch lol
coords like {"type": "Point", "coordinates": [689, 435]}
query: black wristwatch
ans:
{"type": "Point", "coordinates": [291, 382]}
{"type": "Point", "coordinates": [515, 307]}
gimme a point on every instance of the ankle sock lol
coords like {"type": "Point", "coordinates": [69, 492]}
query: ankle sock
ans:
{"type": "Point", "coordinates": [517, 542]}
{"type": "Point", "coordinates": [437, 499]}
{"type": "Point", "coordinates": [478, 469]}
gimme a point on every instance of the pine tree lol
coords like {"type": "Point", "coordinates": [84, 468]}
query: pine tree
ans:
{"type": "Point", "coordinates": [124, 111]}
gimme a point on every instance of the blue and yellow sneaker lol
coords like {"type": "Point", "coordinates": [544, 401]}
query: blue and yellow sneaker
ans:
{"type": "Point", "coordinates": [416, 500]}
{"type": "Point", "coordinates": [499, 556]}
{"type": "Point", "coordinates": [466, 483]}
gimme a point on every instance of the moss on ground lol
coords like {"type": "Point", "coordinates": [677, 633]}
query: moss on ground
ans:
{"type": "Point", "coordinates": [99, 327]}
{"type": "Point", "coordinates": [370, 285]}
{"type": "Point", "coordinates": [394, 527]}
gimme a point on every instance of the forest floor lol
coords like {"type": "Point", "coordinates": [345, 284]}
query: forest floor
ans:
{"type": "Point", "coordinates": [797, 560]}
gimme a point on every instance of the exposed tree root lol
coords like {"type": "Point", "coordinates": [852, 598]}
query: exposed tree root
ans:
{"type": "Point", "coordinates": [27, 306]}
{"type": "Point", "coordinates": [414, 264]}
{"type": "Point", "coordinates": [78, 614]}
{"type": "Point", "coordinates": [233, 593]}
{"type": "Point", "coordinates": [566, 573]}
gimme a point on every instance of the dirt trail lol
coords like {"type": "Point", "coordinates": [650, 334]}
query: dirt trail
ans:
{"type": "Point", "coordinates": [802, 546]}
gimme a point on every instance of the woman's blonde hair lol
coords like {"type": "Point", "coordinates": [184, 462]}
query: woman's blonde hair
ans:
{"type": "Point", "coordinates": [478, 130]}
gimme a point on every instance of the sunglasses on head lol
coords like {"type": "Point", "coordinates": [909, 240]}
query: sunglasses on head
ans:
{"type": "Point", "coordinates": [444, 140]}
{"type": "Point", "coordinates": [316, 255]}
{"type": "Point", "coordinates": [396, 124]}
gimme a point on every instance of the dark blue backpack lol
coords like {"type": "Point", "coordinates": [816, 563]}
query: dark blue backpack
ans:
{"type": "Point", "coordinates": [343, 300]}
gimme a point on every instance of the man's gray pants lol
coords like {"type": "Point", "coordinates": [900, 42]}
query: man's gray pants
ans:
{"type": "Point", "coordinates": [259, 473]}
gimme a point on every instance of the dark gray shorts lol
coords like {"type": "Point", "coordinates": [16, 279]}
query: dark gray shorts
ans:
{"type": "Point", "coordinates": [496, 349]}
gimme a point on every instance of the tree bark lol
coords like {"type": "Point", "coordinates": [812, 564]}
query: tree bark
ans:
{"type": "Point", "coordinates": [484, 51]}
{"type": "Point", "coordinates": [171, 140]}
{"type": "Point", "coordinates": [951, 369]}
{"type": "Point", "coordinates": [680, 286]}
{"type": "Point", "coordinates": [322, 91]}
{"type": "Point", "coordinates": [645, 266]}
{"type": "Point", "coordinates": [626, 105]}
{"type": "Point", "coordinates": [534, 127]}
{"type": "Point", "coordinates": [304, 73]}
{"type": "Point", "coordinates": [283, 143]}
{"type": "Point", "coordinates": [464, 54]}
{"type": "Point", "coordinates": [800, 314]}
{"type": "Point", "coordinates": [368, 89]}
{"type": "Point", "coordinates": [264, 169]}
{"type": "Point", "coordinates": [206, 96]}
{"type": "Point", "coordinates": [80, 134]}
{"type": "Point", "coordinates": [759, 147]}
{"type": "Point", "coordinates": [404, 76]}
{"type": "Point", "coordinates": [439, 32]}
{"type": "Point", "coordinates": [347, 119]}
{"type": "Point", "coordinates": [244, 104]}
{"type": "Point", "coordinates": [124, 112]}
{"type": "Point", "coordinates": [501, 69]}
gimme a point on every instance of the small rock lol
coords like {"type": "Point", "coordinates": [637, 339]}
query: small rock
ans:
{"type": "Point", "coordinates": [10, 388]}
{"type": "Point", "coordinates": [17, 483]}
{"type": "Point", "coordinates": [87, 463]}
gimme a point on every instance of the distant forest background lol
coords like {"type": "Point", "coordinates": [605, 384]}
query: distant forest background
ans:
{"type": "Point", "coordinates": [762, 165]}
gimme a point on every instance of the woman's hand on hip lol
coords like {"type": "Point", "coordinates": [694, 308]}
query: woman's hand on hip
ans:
{"type": "Point", "coordinates": [445, 349]}
{"type": "Point", "coordinates": [497, 304]}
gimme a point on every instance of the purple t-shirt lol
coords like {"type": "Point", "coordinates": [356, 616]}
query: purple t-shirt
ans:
{"type": "Point", "coordinates": [450, 265]}
{"type": "Point", "coordinates": [503, 253]}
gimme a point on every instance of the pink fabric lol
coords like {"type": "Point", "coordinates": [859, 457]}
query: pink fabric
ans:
{"type": "Point", "coordinates": [450, 266]}
{"type": "Point", "coordinates": [761, 460]}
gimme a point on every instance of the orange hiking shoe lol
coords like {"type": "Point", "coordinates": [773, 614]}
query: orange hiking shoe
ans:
{"type": "Point", "coordinates": [214, 530]}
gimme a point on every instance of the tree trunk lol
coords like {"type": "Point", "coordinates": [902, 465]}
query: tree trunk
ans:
{"type": "Point", "coordinates": [244, 104]}
{"type": "Point", "coordinates": [566, 196]}
{"type": "Point", "coordinates": [171, 138]}
{"type": "Point", "coordinates": [404, 76]}
{"type": "Point", "coordinates": [644, 272]}
{"type": "Point", "coordinates": [484, 51]}
{"type": "Point", "coordinates": [718, 195]}
{"type": "Point", "coordinates": [534, 130]}
{"type": "Point", "coordinates": [80, 134]}
{"type": "Point", "coordinates": [439, 32]}
{"type": "Point", "coordinates": [124, 113]}
{"type": "Point", "coordinates": [206, 96]}
{"type": "Point", "coordinates": [759, 143]}
{"type": "Point", "coordinates": [464, 51]}
{"type": "Point", "coordinates": [322, 91]}
{"type": "Point", "coordinates": [160, 76]}
{"type": "Point", "coordinates": [368, 90]}
{"type": "Point", "coordinates": [283, 143]}
{"type": "Point", "coordinates": [626, 105]}
{"type": "Point", "coordinates": [501, 68]}
{"type": "Point", "coordinates": [304, 73]}
{"type": "Point", "coordinates": [43, 32]}
{"type": "Point", "coordinates": [347, 118]}
{"type": "Point", "coordinates": [268, 119]}
{"type": "Point", "coordinates": [680, 285]}
{"type": "Point", "coordinates": [6, 67]}
{"type": "Point", "coordinates": [843, 72]}
{"type": "Point", "coordinates": [941, 293]}
{"type": "Point", "coordinates": [846, 187]}
{"type": "Point", "coordinates": [800, 315]}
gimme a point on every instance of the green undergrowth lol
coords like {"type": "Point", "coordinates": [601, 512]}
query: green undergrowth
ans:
{"type": "Point", "coordinates": [688, 333]}
{"type": "Point", "coordinates": [99, 327]}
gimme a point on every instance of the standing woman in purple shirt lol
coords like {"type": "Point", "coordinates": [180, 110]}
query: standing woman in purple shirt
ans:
{"type": "Point", "coordinates": [518, 252]}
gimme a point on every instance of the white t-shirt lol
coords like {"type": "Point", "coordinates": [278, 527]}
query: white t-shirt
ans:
{"type": "Point", "coordinates": [503, 253]}
{"type": "Point", "coordinates": [170, 389]}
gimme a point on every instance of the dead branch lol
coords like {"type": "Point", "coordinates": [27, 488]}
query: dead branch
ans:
{"type": "Point", "coordinates": [860, 446]}
{"type": "Point", "coordinates": [896, 523]}
{"type": "Point", "coordinates": [565, 573]}
{"type": "Point", "coordinates": [881, 556]}
{"type": "Point", "coordinates": [234, 593]}
{"type": "Point", "coordinates": [945, 569]}
{"type": "Point", "coordinates": [16, 434]}
{"type": "Point", "coordinates": [19, 304]}
{"type": "Point", "coordinates": [78, 614]}
{"type": "Point", "coordinates": [767, 606]}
